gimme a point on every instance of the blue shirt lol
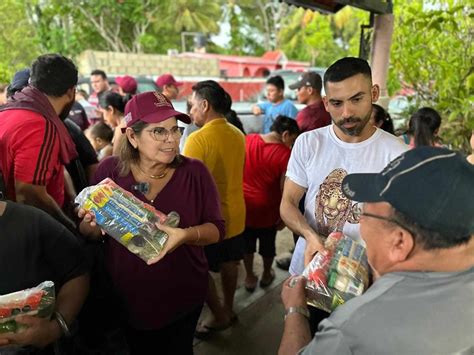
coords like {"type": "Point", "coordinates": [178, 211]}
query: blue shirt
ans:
{"type": "Point", "coordinates": [271, 111]}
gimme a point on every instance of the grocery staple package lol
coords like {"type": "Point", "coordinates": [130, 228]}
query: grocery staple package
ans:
{"type": "Point", "coordinates": [127, 219]}
{"type": "Point", "coordinates": [37, 301]}
{"type": "Point", "coordinates": [338, 275]}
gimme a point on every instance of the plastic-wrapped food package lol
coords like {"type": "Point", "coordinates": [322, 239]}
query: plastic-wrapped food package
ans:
{"type": "Point", "coordinates": [127, 219]}
{"type": "Point", "coordinates": [338, 275]}
{"type": "Point", "coordinates": [37, 301]}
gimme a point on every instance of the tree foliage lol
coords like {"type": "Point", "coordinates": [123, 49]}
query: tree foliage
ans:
{"type": "Point", "coordinates": [18, 42]}
{"type": "Point", "coordinates": [433, 53]}
{"type": "Point", "coordinates": [321, 39]}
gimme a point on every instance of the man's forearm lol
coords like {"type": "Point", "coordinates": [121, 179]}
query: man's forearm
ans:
{"type": "Point", "coordinates": [71, 297]}
{"type": "Point", "coordinates": [296, 335]}
{"type": "Point", "coordinates": [294, 219]}
{"type": "Point", "coordinates": [49, 205]}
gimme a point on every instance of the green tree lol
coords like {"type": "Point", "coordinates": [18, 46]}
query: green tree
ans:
{"type": "Point", "coordinates": [18, 42]}
{"type": "Point", "coordinates": [321, 39]}
{"type": "Point", "coordinates": [433, 53]}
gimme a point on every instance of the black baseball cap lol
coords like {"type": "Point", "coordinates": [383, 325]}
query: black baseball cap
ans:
{"type": "Point", "coordinates": [309, 78]}
{"type": "Point", "coordinates": [433, 186]}
{"type": "Point", "coordinates": [20, 79]}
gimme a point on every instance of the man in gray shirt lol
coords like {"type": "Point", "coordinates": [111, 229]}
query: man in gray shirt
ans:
{"type": "Point", "coordinates": [418, 223]}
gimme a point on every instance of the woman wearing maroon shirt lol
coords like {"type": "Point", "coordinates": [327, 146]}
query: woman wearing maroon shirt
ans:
{"type": "Point", "coordinates": [162, 301]}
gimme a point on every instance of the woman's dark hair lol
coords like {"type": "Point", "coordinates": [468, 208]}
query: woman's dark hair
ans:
{"type": "Point", "coordinates": [128, 155]}
{"type": "Point", "coordinates": [113, 99]}
{"type": "Point", "coordinates": [276, 81]}
{"type": "Point", "coordinates": [233, 119]}
{"type": "Point", "coordinates": [382, 116]}
{"type": "Point", "coordinates": [423, 125]}
{"type": "Point", "coordinates": [284, 123]}
{"type": "Point", "coordinates": [102, 131]}
{"type": "Point", "coordinates": [214, 94]}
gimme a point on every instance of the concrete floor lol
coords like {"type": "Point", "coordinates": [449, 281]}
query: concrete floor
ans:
{"type": "Point", "coordinates": [260, 314]}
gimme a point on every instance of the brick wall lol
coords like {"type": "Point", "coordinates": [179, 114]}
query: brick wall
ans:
{"type": "Point", "coordinates": [146, 64]}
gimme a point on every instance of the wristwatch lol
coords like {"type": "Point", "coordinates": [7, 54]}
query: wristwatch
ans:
{"type": "Point", "coordinates": [62, 324]}
{"type": "Point", "coordinates": [301, 310]}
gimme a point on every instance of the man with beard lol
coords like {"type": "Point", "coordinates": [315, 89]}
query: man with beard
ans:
{"type": "Point", "coordinates": [35, 144]}
{"type": "Point", "coordinates": [321, 158]}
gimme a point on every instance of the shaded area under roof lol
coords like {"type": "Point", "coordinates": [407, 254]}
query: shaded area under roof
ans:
{"type": "Point", "coordinates": [332, 6]}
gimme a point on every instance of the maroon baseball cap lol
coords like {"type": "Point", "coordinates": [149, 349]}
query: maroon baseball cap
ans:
{"type": "Point", "coordinates": [151, 107]}
{"type": "Point", "coordinates": [127, 83]}
{"type": "Point", "coordinates": [167, 79]}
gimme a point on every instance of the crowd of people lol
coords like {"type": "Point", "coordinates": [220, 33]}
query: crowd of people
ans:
{"type": "Point", "coordinates": [307, 171]}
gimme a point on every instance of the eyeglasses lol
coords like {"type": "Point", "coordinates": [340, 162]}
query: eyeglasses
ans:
{"type": "Point", "coordinates": [358, 211]}
{"type": "Point", "coordinates": [162, 134]}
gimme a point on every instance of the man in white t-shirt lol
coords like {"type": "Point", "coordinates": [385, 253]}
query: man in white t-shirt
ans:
{"type": "Point", "coordinates": [321, 158]}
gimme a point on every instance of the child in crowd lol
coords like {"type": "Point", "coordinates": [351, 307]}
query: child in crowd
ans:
{"type": "Point", "coordinates": [100, 135]}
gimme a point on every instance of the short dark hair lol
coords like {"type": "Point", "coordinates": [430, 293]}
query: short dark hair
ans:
{"type": "Point", "coordinates": [346, 68]}
{"type": "Point", "coordinates": [285, 123]}
{"type": "Point", "coordinates": [99, 72]}
{"type": "Point", "coordinates": [53, 74]}
{"type": "Point", "coordinates": [276, 81]}
{"type": "Point", "coordinates": [102, 131]}
{"type": "Point", "coordinates": [212, 92]}
{"type": "Point", "coordinates": [427, 238]}
{"type": "Point", "coordinates": [113, 99]}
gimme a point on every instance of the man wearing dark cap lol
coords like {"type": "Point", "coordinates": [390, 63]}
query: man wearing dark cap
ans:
{"type": "Point", "coordinates": [417, 220]}
{"type": "Point", "coordinates": [308, 91]}
{"type": "Point", "coordinates": [168, 86]}
{"type": "Point", "coordinates": [19, 81]}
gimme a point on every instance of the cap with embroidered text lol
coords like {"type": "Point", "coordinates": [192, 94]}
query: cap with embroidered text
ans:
{"type": "Point", "coordinates": [433, 186]}
{"type": "Point", "coordinates": [151, 107]}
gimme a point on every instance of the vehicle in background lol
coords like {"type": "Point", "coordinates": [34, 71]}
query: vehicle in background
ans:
{"type": "Point", "coordinates": [251, 123]}
{"type": "Point", "coordinates": [144, 84]}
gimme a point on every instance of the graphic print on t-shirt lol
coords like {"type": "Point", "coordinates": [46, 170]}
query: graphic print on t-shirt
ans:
{"type": "Point", "coordinates": [332, 208]}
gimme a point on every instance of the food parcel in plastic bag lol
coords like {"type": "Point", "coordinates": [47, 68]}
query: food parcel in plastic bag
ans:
{"type": "Point", "coordinates": [338, 275]}
{"type": "Point", "coordinates": [37, 301]}
{"type": "Point", "coordinates": [127, 219]}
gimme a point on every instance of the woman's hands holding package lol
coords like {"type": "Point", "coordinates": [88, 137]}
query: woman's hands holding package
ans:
{"type": "Point", "coordinates": [88, 226]}
{"type": "Point", "coordinates": [176, 238]}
